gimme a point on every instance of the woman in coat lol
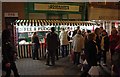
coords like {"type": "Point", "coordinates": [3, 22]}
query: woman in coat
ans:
{"type": "Point", "coordinates": [78, 45]}
{"type": "Point", "coordinates": [91, 50]}
{"type": "Point", "coordinates": [64, 42]}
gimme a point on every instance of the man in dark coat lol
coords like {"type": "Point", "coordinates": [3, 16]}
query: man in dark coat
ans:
{"type": "Point", "coordinates": [52, 41]}
{"type": "Point", "coordinates": [91, 50]}
{"type": "Point", "coordinates": [9, 54]}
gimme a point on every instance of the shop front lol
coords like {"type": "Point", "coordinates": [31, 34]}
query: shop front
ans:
{"type": "Point", "coordinates": [40, 17]}
{"type": "Point", "coordinates": [107, 17]}
{"type": "Point", "coordinates": [55, 10]}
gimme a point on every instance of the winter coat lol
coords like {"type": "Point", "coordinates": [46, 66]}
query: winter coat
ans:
{"type": "Point", "coordinates": [113, 41]}
{"type": "Point", "coordinates": [63, 38]}
{"type": "Point", "coordinates": [52, 41]}
{"type": "Point", "coordinates": [78, 43]}
{"type": "Point", "coordinates": [91, 52]}
{"type": "Point", "coordinates": [8, 52]}
{"type": "Point", "coordinates": [35, 40]}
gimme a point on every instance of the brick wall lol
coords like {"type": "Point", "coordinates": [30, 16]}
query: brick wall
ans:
{"type": "Point", "coordinates": [13, 7]}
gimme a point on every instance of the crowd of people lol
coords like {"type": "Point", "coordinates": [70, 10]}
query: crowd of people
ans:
{"type": "Point", "coordinates": [94, 45]}
{"type": "Point", "coordinates": [97, 44]}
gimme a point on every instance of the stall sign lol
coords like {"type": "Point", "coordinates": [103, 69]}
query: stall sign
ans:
{"type": "Point", "coordinates": [103, 14]}
{"type": "Point", "coordinates": [28, 29]}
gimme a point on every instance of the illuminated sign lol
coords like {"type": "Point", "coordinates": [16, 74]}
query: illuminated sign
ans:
{"type": "Point", "coordinates": [56, 7]}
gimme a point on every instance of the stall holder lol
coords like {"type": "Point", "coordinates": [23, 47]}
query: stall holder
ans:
{"type": "Point", "coordinates": [23, 30]}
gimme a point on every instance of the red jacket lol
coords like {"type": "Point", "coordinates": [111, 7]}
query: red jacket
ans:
{"type": "Point", "coordinates": [114, 39]}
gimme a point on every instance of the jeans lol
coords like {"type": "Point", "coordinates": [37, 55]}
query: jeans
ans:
{"type": "Point", "coordinates": [64, 50]}
{"type": "Point", "coordinates": [51, 57]}
{"type": "Point", "coordinates": [76, 58]}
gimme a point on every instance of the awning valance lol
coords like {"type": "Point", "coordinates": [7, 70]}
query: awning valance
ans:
{"type": "Point", "coordinates": [51, 22]}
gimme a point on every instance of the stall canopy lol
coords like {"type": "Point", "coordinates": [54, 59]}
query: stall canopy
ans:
{"type": "Point", "coordinates": [52, 22]}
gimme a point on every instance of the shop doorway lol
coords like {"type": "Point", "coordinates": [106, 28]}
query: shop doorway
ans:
{"type": "Point", "coordinates": [9, 25]}
{"type": "Point", "coordinates": [9, 21]}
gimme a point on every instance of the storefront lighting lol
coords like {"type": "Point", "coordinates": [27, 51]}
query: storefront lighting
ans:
{"type": "Point", "coordinates": [93, 20]}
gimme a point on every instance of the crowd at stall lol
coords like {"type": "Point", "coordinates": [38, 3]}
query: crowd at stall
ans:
{"type": "Point", "coordinates": [89, 46]}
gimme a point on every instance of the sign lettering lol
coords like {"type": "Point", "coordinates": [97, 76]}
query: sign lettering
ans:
{"type": "Point", "coordinates": [109, 17]}
{"type": "Point", "coordinates": [58, 7]}
{"type": "Point", "coordinates": [11, 14]}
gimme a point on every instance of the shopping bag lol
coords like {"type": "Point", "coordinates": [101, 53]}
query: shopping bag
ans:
{"type": "Point", "coordinates": [94, 71]}
{"type": "Point", "coordinates": [85, 62]}
{"type": "Point", "coordinates": [84, 65]}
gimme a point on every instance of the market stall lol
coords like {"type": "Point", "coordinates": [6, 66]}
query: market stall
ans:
{"type": "Point", "coordinates": [23, 30]}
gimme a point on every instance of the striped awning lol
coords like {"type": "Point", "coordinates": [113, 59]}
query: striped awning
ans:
{"type": "Point", "coordinates": [52, 22]}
